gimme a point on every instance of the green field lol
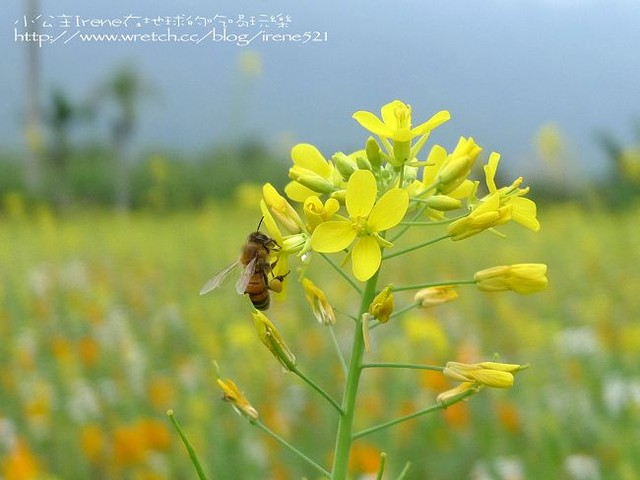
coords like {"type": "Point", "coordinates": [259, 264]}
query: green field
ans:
{"type": "Point", "coordinates": [102, 331]}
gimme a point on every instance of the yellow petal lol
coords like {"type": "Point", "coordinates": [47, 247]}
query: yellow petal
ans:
{"type": "Point", "coordinates": [389, 210]}
{"type": "Point", "coordinates": [361, 193]}
{"type": "Point", "coordinates": [365, 258]}
{"type": "Point", "coordinates": [438, 119]}
{"type": "Point", "coordinates": [307, 156]}
{"type": "Point", "coordinates": [333, 236]}
{"type": "Point", "coordinates": [490, 171]}
{"type": "Point", "coordinates": [524, 212]}
{"type": "Point", "coordinates": [372, 123]}
{"type": "Point", "coordinates": [388, 113]}
{"type": "Point", "coordinates": [298, 192]}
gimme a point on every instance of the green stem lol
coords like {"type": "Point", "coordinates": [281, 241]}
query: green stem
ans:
{"type": "Point", "coordinates": [414, 366]}
{"type": "Point", "coordinates": [342, 273]}
{"type": "Point", "coordinates": [419, 286]}
{"type": "Point", "coordinates": [282, 441]}
{"type": "Point", "coordinates": [318, 389]}
{"type": "Point", "coordinates": [424, 411]}
{"type": "Point", "coordinates": [344, 434]}
{"type": "Point", "coordinates": [187, 444]}
{"type": "Point", "coordinates": [415, 247]}
{"type": "Point", "coordinates": [383, 460]}
{"type": "Point", "coordinates": [404, 471]}
{"type": "Point", "coordinates": [404, 310]}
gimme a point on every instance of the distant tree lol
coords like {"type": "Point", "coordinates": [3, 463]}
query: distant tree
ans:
{"type": "Point", "coordinates": [123, 90]}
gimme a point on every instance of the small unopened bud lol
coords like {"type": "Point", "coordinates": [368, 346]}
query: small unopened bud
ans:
{"type": "Point", "coordinates": [373, 152]}
{"type": "Point", "coordinates": [490, 374]}
{"type": "Point", "coordinates": [345, 165]}
{"type": "Point", "coordinates": [521, 278]}
{"type": "Point", "coordinates": [443, 203]}
{"type": "Point", "coordinates": [363, 163]}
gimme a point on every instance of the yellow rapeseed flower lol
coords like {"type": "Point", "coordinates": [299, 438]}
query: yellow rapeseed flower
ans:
{"type": "Point", "coordinates": [366, 219]}
{"type": "Point", "coordinates": [523, 210]}
{"type": "Point", "coordinates": [396, 122]}
{"type": "Point", "coordinates": [396, 125]}
{"type": "Point", "coordinates": [487, 214]}
{"type": "Point", "coordinates": [317, 212]}
{"type": "Point", "coordinates": [281, 209]}
{"type": "Point", "coordinates": [311, 173]}
{"type": "Point", "coordinates": [490, 374]}
{"type": "Point", "coordinates": [520, 277]}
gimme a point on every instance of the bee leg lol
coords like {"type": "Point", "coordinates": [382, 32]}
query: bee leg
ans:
{"type": "Point", "coordinates": [276, 282]}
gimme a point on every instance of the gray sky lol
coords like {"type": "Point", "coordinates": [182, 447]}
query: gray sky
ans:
{"type": "Point", "coordinates": [501, 67]}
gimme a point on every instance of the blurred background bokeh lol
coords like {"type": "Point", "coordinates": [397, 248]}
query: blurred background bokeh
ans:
{"type": "Point", "coordinates": [130, 172]}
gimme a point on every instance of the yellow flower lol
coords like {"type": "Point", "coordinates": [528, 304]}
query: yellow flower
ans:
{"type": "Point", "coordinates": [367, 219]}
{"type": "Point", "coordinates": [317, 212]}
{"type": "Point", "coordinates": [490, 374]}
{"type": "Point", "coordinates": [488, 214]}
{"type": "Point", "coordinates": [523, 210]}
{"type": "Point", "coordinates": [396, 122]}
{"type": "Point", "coordinates": [233, 395]}
{"type": "Point", "coordinates": [521, 278]}
{"type": "Point", "coordinates": [457, 166]}
{"type": "Point", "coordinates": [396, 125]}
{"type": "Point", "coordinates": [322, 309]}
{"type": "Point", "coordinates": [271, 338]}
{"type": "Point", "coordinates": [382, 305]}
{"type": "Point", "coordinates": [311, 173]}
{"type": "Point", "coordinates": [432, 296]}
{"type": "Point", "coordinates": [281, 209]}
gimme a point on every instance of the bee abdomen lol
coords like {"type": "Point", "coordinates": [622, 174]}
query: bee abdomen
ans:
{"type": "Point", "coordinates": [258, 293]}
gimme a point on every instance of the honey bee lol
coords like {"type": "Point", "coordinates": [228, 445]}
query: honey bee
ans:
{"type": "Point", "coordinates": [254, 279]}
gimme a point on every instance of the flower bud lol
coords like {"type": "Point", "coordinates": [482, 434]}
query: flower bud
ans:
{"type": "Point", "coordinates": [345, 165]}
{"type": "Point", "coordinates": [373, 152]}
{"type": "Point", "coordinates": [443, 203]}
{"type": "Point", "coordinates": [522, 278]}
{"type": "Point", "coordinates": [490, 374]}
{"type": "Point", "coordinates": [281, 209]}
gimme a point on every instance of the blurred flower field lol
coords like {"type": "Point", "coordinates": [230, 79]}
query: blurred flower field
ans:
{"type": "Point", "coordinates": [102, 331]}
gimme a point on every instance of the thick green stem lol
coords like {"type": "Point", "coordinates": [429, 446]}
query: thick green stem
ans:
{"type": "Point", "coordinates": [343, 437]}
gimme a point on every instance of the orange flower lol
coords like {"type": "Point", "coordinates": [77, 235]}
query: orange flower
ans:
{"type": "Point", "coordinates": [20, 463]}
{"type": "Point", "coordinates": [365, 458]}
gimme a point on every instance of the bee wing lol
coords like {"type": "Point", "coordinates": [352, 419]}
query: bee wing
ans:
{"type": "Point", "coordinates": [247, 273]}
{"type": "Point", "coordinates": [216, 281]}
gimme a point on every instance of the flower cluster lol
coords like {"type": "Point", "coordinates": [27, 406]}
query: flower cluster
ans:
{"type": "Point", "coordinates": [352, 201]}
{"type": "Point", "coordinates": [360, 205]}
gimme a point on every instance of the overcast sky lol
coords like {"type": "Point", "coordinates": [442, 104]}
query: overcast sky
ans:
{"type": "Point", "coordinates": [501, 67]}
